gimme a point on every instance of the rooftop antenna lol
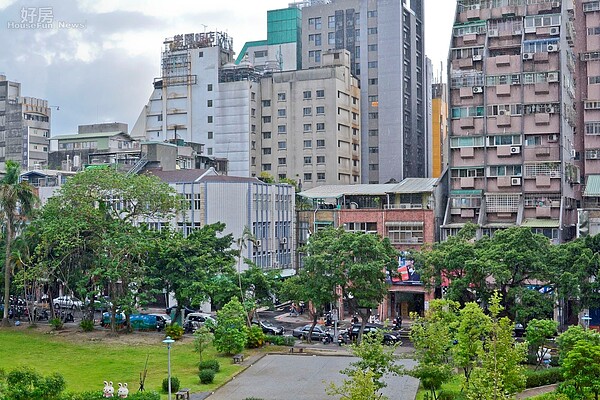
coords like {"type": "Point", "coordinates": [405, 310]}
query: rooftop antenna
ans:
{"type": "Point", "coordinates": [205, 26]}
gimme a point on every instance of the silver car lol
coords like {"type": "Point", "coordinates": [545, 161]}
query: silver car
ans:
{"type": "Point", "coordinates": [67, 302]}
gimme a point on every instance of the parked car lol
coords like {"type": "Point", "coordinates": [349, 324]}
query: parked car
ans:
{"type": "Point", "coordinates": [164, 318]}
{"type": "Point", "coordinates": [101, 303]}
{"type": "Point", "coordinates": [67, 302]}
{"type": "Point", "coordinates": [185, 310]}
{"type": "Point", "coordinates": [119, 319]}
{"type": "Point", "coordinates": [268, 328]}
{"type": "Point", "coordinates": [140, 322]}
{"type": "Point", "coordinates": [195, 320]}
{"type": "Point", "coordinates": [302, 332]}
{"type": "Point", "coordinates": [389, 337]}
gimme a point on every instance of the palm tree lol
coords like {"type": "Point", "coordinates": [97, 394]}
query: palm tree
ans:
{"type": "Point", "coordinates": [16, 202]}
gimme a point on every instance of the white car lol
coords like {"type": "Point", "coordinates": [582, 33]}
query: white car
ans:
{"type": "Point", "coordinates": [194, 321]}
{"type": "Point", "coordinates": [67, 302]}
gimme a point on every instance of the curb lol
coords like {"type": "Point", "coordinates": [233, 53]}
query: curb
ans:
{"type": "Point", "coordinates": [245, 367]}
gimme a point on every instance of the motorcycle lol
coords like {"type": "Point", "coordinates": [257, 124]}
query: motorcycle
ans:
{"type": "Point", "coordinates": [327, 338]}
{"type": "Point", "coordinates": [342, 338]}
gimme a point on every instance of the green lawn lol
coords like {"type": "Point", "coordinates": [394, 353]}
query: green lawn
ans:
{"type": "Point", "coordinates": [85, 364]}
{"type": "Point", "coordinates": [453, 386]}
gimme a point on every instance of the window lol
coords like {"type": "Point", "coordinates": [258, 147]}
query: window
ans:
{"type": "Point", "coordinates": [371, 14]}
{"type": "Point", "coordinates": [331, 38]}
{"type": "Point", "coordinates": [307, 127]}
{"type": "Point", "coordinates": [534, 140]}
{"type": "Point", "coordinates": [266, 167]}
{"type": "Point", "coordinates": [209, 151]}
{"type": "Point", "coordinates": [372, 47]}
{"type": "Point", "coordinates": [331, 22]}
{"type": "Point", "coordinates": [372, 31]}
{"type": "Point", "coordinates": [466, 141]}
{"type": "Point", "coordinates": [266, 151]}
{"type": "Point", "coordinates": [373, 81]}
{"type": "Point", "coordinates": [373, 99]}
{"type": "Point", "coordinates": [373, 150]}
{"type": "Point", "coordinates": [320, 93]}
{"type": "Point", "coordinates": [315, 38]}
{"type": "Point", "coordinates": [266, 103]}
{"type": "Point", "coordinates": [307, 111]}
{"type": "Point", "coordinates": [320, 159]}
{"type": "Point", "coordinates": [373, 167]}
{"type": "Point", "coordinates": [505, 170]}
{"type": "Point", "coordinates": [266, 135]}
{"type": "Point", "coordinates": [592, 128]}
{"type": "Point", "coordinates": [281, 129]}
{"type": "Point", "coordinates": [210, 134]}
{"type": "Point", "coordinates": [404, 232]}
{"type": "Point", "coordinates": [281, 96]}
{"type": "Point", "coordinates": [315, 55]}
{"type": "Point", "coordinates": [373, 132]}
{"type": "Point", "coordinates": [321, 143]}
{"type": "Point", "coordinates": [281, 112]}
{"type": "Point", "coordinates": [373, 115]}
{"type": "Point", "coordinates": [476, 172]}
{"type": "Point", "coordinates": [266, 119]}
{"type": "Point", "coordinates": [253, 112]}
{"type": "Point", "coordinates": [253, 96]}
{"type": "Point", "coordinates": [261, 53]}
{"type": "Point", "coordinates": [504, 140]}
{"type": "Point", "coordinates": [209, 87]}
{"type": "Point", "coordinates": [372, 64]}
{"type": "Point", "coordinates": [210, 119]}
{"type": "Point", "coordinates": [320, 110]}
{"type": "Point", "coordinates": [307, 160]}
{"type": "Point", "coordinates": [320, 176]}
{"type": "Point", "coordinates": [307, 144]}
{"type": "Point", "coordinates": [282, 145]}
{"type": "Point", "coordinates": [281, 161]}
{"type": "Point", "coordinates": [308, 177]}
{"type": "Point", "coordinates": [209, 103]}
{"type": "Point", "coordinates": [314, 22]}
{"type": "Point", "coordinates": [306, 95]}
{"type": "Point", "coordinates": [160, 117]}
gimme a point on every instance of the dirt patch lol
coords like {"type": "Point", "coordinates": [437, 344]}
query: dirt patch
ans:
{"type": "Point", "coordinates": [73, 333]}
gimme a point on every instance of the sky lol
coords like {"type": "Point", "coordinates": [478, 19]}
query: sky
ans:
{"type": "Point", "coordinates": [97, 60]}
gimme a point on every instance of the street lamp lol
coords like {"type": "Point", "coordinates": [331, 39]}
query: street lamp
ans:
{"type": "Point", "coordinates": [168, 341]}
{"type": "Point", "coordinates": [586, 321]}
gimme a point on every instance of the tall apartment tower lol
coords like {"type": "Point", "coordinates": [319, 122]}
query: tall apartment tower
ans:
{"type": "Point", "coordinates": [24, 127]}
{"type": "Point", "coordinates": [385, 39]}
{"type": "Point", "coordinates": [587, 47]}
{"type": "Point", "coordinates": [512, 118]}
{"type": "Point", "coordinates": [439, 125]}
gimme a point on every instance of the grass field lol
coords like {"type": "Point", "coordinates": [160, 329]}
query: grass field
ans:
{"type": "Point", "coordinates": [86, 360]}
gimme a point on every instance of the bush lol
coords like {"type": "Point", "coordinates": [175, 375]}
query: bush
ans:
{"type": "Point", "coordinates": [280, 340]}
{"type": "Point", "coordinates": [56, 323]}
{"type": "Point", "coordinates": [97, 395]}
{"type": "Point", "coordinates": [206, 376]}
{"type": "Point", "coordinates": [209, 364]}
{"type": "Point", "coordinates": [174, 330]}
{"type": "Point", "coordinates": [87, 325]}
{"type": "Point", "coordinates": [552, 396]}
{"type": "Point", "coordinates": [256, 337]}
{"type": "Point", "coordinates": [448, 395]}
{"type": "Point", "coordinates": [543, 377]}
{"type": "Point", "coordinates": [174, 384]}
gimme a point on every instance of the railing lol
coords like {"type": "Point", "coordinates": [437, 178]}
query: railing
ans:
{"type": "Point", "coordinates": [137, 167]}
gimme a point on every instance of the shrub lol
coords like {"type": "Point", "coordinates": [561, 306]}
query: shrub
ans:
{"type": "Point", "coordinates": [543, 377]}
{"type": "Point", "coordinates": [174, 330]}
{"type": "Point", "coordinates": [209, 364]}
{"type": "Point", "coordinates": [231, 332]}
{"type": "Point", "coordinates": [87, 325]}
{"type": "Point", "coordinates": [256, 337]}
{"type": "Point", "coordinates": [56, 323]}
{"type": "Point", "coordinates": [449, 395]}
{"type": "Point", "coordinates": [280, 340]}
{"type": "Point", "coordinates": [97, 395]}
{"type": "Point", "coordinates": [174, 384]}
{"type": "Point", "coordinates": [206, 376]}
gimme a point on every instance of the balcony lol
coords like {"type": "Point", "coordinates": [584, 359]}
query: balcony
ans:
{"type": "Point", "coordinates": [543, 212]}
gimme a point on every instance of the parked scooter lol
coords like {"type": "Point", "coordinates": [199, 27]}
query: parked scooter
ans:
{"type": "Point", "coordinates": [327, 338]}
{"type": "Point", "coordinates": [343, 338]}
{"type": "Point", "coordinates": [397, 323]}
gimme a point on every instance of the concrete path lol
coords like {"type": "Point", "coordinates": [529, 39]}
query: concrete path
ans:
{"type": "Point", "coordinates": [303, 377]}
{"type": "Point", "coordinates": [536, 391]}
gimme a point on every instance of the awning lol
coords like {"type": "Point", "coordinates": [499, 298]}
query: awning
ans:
{"type": "Point", "coordinates": [592, 186]}
{"type": "Point", "coordinates": [540, 223]}
{"type": "Point", "coordinates": [466, 192]}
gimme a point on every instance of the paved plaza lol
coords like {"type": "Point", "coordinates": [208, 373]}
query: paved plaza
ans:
{"type": "Point", "coordinates": [303, 377]}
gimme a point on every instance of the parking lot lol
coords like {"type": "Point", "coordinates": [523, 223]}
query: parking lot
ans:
{"type": "Point", "coordinates": [276, 377]}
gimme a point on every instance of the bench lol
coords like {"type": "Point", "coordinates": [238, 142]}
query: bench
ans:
{"type": "Point", "coordinates": [298, 349]}
{"type": "Point", "coordinates": [238, 358]}
{"type": "Point", "coordinates": [183, 394]}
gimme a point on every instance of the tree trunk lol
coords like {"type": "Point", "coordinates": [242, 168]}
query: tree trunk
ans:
{"type": "Point", "coordinates": [7, 273]}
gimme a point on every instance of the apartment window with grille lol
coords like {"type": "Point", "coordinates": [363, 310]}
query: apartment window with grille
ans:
{"type": "Point", "coordinates": [592, 80]}
{"type": "Point", "coordinates": [320, 93]}
{"type": "Point", "coordinates": [542, 169]}
{"type": "Point", "coordinates": [373, 81]}
{"type": "Point", "coordinates": [210, 134]}
{"type": "Point", "coordinates": [320, 159]}
{"type": "Point", "coordinates": [266, 119]}
{"type": "Point", "coordinates": [592, 128]}
{"type": "Point", "coordinates": [281, 129]}
{"type": "Point", "coordinates": [281, 112]}
{"type": "Point", "coordinates": [266, 150]}
{"type": "Point", "coordinates": [593, 31]}
{"type": "Point", "coordinates": [467, 172]}
{"type": "Point", "coordinates": [404, 232]}
{"type": "Point", "coordinates": [592, 105]}
{"type": "Point", "coordinates": [504, 140]}
{"type": "Point", "coordinates": [307, 160]}
{"type": "Point", "coordinates": [307, 111]}
{"type": "Point", "coordinates": [320, 176]}
{"type": "Point", "coordinates": [308, 177]}
{"type": "Point", "coordinates": [463, 112]}
{"type": "Point", "coordinates": [373, 115]}
{"type": "Point", "coordinates": [466, 141]}
{"type": "Point", "coordinates": [373, 150]}
{"type": "Point", "coordinates": [307, 144]}
{"type": "Point", "coordinates": [266, 103]}
{"type": "Point", "coordinates": [505, 109]}
{"type": "Point", "coordinates": [540, 199]}
{"type": "Point", "coordinates": [372, 13]}
{"type": "Point", "coordinates": [320, 110]}
{"type": "Point", "coordinates": [373, 132]}
{"type": "Point", "coordinates": [321, 143]}
{"type": "Point", "coordinates": [543, 108]}
{"type": "Point", "coordinates": [367, 227]}
{"type": "Point", "coordinates": [508, 79]}
{"type": "Point", "coordinates": [372, 64]}
{"type": "Point", "coordinates": [465, 202]}
{"type": "Point", "coordinates": [282, 145]}
{"type": "Point", "coordinates": [372, 31]}
{"type": "Point", "coordinates": [306, 94]}
{"type": "Point", "coordinates": [502, 203]}
{"type": "Point", "coordinates": [505, 170]}
{"type": "Point", "coordinates": [533, 140]}
{"type": "Point", "coordinates": [592, 154]}
{"type": "Point", "coordinates": [281, 160]}
{"type": "Point", "coordinates": [266, 167]}
{"type": "Point", "coordinates": [266, 135]}
{"type": "Point", "coordinates": [281, 96]}
{"type": "Point", "coordinates": [320, 126]}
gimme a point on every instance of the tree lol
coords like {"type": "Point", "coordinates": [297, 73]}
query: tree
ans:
{"type": "Point", "coordinates": [17, 200]}
{"type": "Point", "coordinates": [375, 357]}
{"type": "Point", "coordinates": [581, 368]}
{"type": "Point", "coordinates": [537, 334]}
{"type": "Point", "coordinates": [25, 383]}
{"type": "Point", "coordinates": [499, 374]}
{"type": "Point", "coordinates": [473, 324]}
{"type": "Point", "coordinates": [567, 340]}
{"type": "Point", "coordinates": [360, 386]}
{"type": "Point", "coordinates": [203, 337]}
{"type": "Point", "coordinates": [231, 332]}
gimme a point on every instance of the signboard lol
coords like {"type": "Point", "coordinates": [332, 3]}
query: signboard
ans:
{"type": "Point", "coordinates": [406, 271]}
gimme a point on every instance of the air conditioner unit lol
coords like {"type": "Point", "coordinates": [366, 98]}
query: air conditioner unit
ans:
{"type": "Point", "coordinates": [515, 150]}
{"type": "Point", "coordinates": [283, 240]}
{"type": "Point", "coordinates": [527, 56]}
{"type": "Point", "coordinates": [554, 31]}
{"type": "Point", "coordinates": [477, 57]}
{"type": "Point", "coordinates": [592, 156]}
{"type": "Point", "coordinates": [515, 181]}
{"type": "Point", "coordinates": [552, 77]}
{"type": "Point", "coordinates": [518, 32]}
{"type": "Point", "coordinates": [555, 4]}
{"type": "Point", "coordinates": [553, 138]}
{"type": "Point", "coordinates": [477, 89]}
{"type": "Point", "coordinates": [573, 153]}
{"type": "Point", "coordinates": [257, 243]}
{"type": "Point", "coordinates": [503, 112]}
{"type": "Point", "coordinates": [552, 48]}
{"type": "Point", "coordinates": [493, 33]}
